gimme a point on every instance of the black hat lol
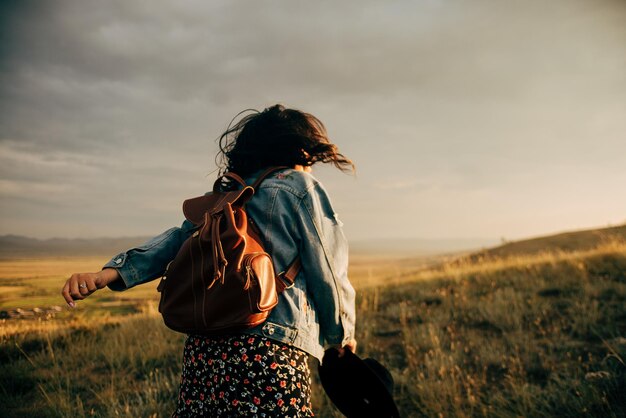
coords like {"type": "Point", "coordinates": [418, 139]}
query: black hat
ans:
{"type": "Point", "coordinates": [358, 387]}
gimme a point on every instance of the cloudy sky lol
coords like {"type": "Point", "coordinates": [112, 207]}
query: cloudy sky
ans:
{"type": "Point", "coordinates": [466, 118]}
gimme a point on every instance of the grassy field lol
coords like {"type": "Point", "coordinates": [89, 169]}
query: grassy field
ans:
{"type": "Point", "coordinates": [533, 335]}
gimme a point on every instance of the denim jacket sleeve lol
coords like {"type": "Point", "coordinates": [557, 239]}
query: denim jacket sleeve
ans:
{"type": "Point", "coordinates": [149, 260]}
{"type": "Point", "coordinates": [324, 256]}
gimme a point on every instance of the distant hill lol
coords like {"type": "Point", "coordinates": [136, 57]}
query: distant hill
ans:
{"type": "Point", "coordinates": [409, 247]}
{"type": "Point", "coordinates": [18, 246]}
{"type": "Point", "coordinates": [567, 242]}
{"type": "Point", "coordinates": [12, 246]}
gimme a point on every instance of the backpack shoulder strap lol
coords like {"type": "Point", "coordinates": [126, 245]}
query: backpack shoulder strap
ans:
{"type": "Point", "coordinates": [288, 277]}
{"type": "Point", "coordinates": [234, 176]}
{"type": "Point", "coordinates": [230, 175]}
{"type": "Point", "coordinates": [266, 173]}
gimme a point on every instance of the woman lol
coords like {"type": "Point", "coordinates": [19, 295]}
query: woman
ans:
{"type": "Point", "coordinates": [262, 371]}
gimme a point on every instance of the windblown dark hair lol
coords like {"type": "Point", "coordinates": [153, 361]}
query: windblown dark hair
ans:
{"type": "Point", "coordinates": [277, 136]}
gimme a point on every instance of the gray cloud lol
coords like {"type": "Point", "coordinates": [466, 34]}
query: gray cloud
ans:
{"type": "Point", "coordinates": [107, 105]}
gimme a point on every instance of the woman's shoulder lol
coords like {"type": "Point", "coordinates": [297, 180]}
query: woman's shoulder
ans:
{"type": "Point", "coordinates": [297, 182]}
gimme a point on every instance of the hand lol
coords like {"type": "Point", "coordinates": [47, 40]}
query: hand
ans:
{"type": "Point", "coordinates": [81, 285]}
{"type": "Point", "coordinates": [350, 345]}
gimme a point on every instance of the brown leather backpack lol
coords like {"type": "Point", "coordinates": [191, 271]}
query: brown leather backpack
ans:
{"type": "Point", "coordinates": [222, 280]}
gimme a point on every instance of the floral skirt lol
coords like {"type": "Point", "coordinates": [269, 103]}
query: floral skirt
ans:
{"type": "Point", "coordinates": [243, 376]}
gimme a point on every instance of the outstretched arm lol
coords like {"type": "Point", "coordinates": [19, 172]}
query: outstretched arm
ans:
{"type": "Point", "coordinates": [130, 268]}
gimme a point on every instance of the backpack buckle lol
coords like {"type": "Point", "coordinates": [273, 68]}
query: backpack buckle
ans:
{"type": "Point", "coordinates": [285, 283]}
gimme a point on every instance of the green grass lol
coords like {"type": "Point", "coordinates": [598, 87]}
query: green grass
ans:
{"type": "Point", "coordinates": [538, 335]}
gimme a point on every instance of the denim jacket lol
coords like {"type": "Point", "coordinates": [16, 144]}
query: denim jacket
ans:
{"type": "Point", "coordinates": [295, 216]}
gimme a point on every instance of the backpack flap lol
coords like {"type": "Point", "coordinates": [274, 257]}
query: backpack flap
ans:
{"type": "Point", "coordinates": [195, 208]}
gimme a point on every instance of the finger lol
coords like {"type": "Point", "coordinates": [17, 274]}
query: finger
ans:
{"type": "Point", "coordinates": [83, 284]}
{"type": "Point", "coordinates": [349, 345]}
{"type": "Point", "coordinates": [65, 292]}
{"type": "Point", "coordinates": [341, 351]}
{"type": "Point", "coordinates": [82, 289]}
{"type": "Point", "coordinates": [91, 283]}
{"type": "Point", "coordinates": [74, 290]}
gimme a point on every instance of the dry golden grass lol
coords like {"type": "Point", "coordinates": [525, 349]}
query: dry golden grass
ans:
{"type": "Point", "coordinates": [535, 335]}
{"type": "Point", "coordinates": [46, 267]}
{"type": "Point", "coordinates": [36, 282]}
{"type": "Point", "coordinates": [530, 335]}
{"type": "Point", "coordinates": [455, 267]}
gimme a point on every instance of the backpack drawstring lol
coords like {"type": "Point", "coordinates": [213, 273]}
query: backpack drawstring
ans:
{"type": "Point", "coordinates": [219, 259]}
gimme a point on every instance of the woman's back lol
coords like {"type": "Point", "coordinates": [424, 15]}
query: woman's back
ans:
{"type": "Point", "coordinates": [261, 371]}
{"type": "Point", "coordinates": [296, 218]}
